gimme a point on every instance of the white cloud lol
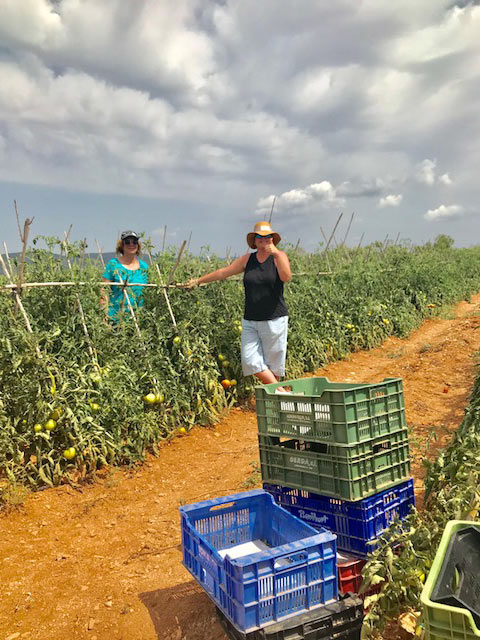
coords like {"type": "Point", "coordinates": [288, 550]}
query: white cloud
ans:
{"type": "Point", "coordinates": [319, 193]}
{"type": "Point", "coordinates": [391, 200]}
{"type": "Point", "coordinates": [445, 179]}
{"type": "Point", "coordinates": [444, 211]}
{"type": "Point", "coordinates": [425, 173]}
{"type": "Point", "coordinates": [191, 101]}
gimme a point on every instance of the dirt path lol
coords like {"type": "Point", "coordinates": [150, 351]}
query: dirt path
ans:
{"type": "Point", "coordinates": [103, 563]}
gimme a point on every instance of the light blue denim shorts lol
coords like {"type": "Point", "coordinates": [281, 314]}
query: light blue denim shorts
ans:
{"type": "Point", "coordinates": [264, 345]}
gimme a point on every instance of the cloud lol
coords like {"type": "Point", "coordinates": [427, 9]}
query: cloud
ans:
{"type": "Point", "coordinates": [191, 102]}
{"type": "Point", "coordinates": [319, 193]}
{"type": "Point", "coordinates": [445, 179]}
{"type": "Point", "coordinates": [425, 173]}
{"type": "Point", "coordinates": [444, 211]}
{"type": "Point", "coordinates": [390, 201]}
{"type": "Point", "coordinates": [363, 188]}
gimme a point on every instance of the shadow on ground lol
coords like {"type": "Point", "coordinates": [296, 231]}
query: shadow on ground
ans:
{"type": "Point", "coordinates": [183, 612]}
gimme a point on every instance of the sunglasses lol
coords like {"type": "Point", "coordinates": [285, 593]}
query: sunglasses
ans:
{"type": "Point", "coordinates": [270, 235]}
{"type": "Point", "coordinates": [130, 241]}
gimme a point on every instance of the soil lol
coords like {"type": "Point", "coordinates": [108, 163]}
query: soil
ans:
{"type": "Point", "coordinates": [103, 562]}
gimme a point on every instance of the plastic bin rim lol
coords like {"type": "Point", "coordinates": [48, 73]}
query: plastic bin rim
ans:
{"type": "Point", "coordinates": [451, 527]}
{"type": "Point", "coordinates": [213, 502]}
{"type": "Point", "coordinates": [315, 538]}
{"type": "Point", "coordinates": [270, 388]}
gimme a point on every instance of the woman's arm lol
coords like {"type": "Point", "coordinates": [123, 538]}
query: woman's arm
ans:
{"type": "Point", "coordinates": [281, 262]}
{"type": "Point", "coordinates": [236, 267]}
{"type": "Point", "coordinates": [283, 266]}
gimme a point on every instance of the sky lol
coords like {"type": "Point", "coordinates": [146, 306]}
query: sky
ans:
{"type": "Point", "coordinates": [196, 114]}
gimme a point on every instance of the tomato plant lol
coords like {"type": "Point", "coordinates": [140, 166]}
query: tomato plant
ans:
{"type": "Point", "coordinates": [99, 405]}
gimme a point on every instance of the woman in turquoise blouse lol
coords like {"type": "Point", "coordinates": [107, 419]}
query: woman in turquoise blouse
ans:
{"type": "Point", "coordinates": [126, 268]}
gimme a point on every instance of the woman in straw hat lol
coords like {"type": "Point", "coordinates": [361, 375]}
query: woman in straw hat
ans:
{"type": "Point", "coordinates": [265, 321]}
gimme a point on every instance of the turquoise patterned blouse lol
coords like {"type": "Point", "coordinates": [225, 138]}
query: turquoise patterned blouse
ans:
{"type": "Point", "coordinates": [115, 271]}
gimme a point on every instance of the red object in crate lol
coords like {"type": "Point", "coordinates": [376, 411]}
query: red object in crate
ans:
{"type": "Point", "coordinates": [350, 575]}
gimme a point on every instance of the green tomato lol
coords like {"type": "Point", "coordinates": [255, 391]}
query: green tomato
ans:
{"type": "Point", "coordinates": [69, 453]}
{"type": "Point", "coordinates": [177, 340]}
{"type": "Point", "coordinates": [150, 398]}
{"type": "Point", "coordinates": [37, 427]}
{"type": "Point", "coordinates": [57, 413]}
{"type": "Point", "coordinates": [50, 425]}
{"type": "Point", "coordinates": [95, 406]}
{"type": "Point", "coordinates": [159, 398]}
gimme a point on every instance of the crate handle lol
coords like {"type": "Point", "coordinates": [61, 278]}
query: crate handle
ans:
{"type": "Point", "coordinates": [382, 446]}
{"type": "Point", "coordinates": [289, 560]}
{"type": "Point", "coordinates": [225, 505]}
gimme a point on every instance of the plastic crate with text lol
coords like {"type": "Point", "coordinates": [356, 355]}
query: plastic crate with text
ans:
{"type": "Point", "coordinates": [259, 563]}
{"type": "Point", "coordinates": [340, 620]}
{"type": "Point", "coordinates": [348, 472]}
{"type": "Point", "coordinates": [356, 524]}
{"type": "Point", "coordinates": [451, 595]}
{"type": "Point", "coordinates": [318, 410]}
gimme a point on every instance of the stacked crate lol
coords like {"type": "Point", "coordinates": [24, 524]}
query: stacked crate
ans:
{"type": "Point", "coordinates": [271, 575]}
{"type": "Point", "coordinates": [336, 455]}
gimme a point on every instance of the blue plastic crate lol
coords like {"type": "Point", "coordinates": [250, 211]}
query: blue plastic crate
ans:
{"type": "Point", "coordinates": [292, 567]}
{"type": "Point", "coordinates": [354, 523]}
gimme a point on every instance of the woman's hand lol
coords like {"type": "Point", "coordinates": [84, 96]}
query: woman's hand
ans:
{"type": "Point", "coordinates": [271, 249]}
{"type": "Point", "coordinates": [192, 283]}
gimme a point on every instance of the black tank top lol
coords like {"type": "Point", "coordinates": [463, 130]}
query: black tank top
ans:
{"type": "Point", "coordinates": [263, 290]}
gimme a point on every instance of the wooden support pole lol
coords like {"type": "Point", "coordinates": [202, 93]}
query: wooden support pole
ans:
{"type": "Point", "coordinates": [90, 348]}
{"type": "Point", "coordinates": [19, 302]}
{"type": "Point", "coordinates": [169, 306]}
{"type": "Point", "coordinates": [177, 262]}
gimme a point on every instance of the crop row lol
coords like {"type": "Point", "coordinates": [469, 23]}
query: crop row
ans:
{"type": "Point", "coordinates": [72, 401]}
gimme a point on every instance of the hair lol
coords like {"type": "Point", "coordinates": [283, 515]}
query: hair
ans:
{"type": "Point", "coordinates": [119, 248]}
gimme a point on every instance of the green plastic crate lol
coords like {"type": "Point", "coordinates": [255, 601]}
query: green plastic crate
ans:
{"type": "Point", "coordinates": [349, 472]}
{"type": "Point", "coordinates": [442, 621]}
{"type": "Point", "coordinates": [322, 411]}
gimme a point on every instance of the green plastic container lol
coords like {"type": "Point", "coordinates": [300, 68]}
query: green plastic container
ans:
{"type": "Point", "coordinates": [443, 622]}
{"type": "Point", "coordinates": [348, 472]}
{"type": "Point", "coordinates": [318, 410]}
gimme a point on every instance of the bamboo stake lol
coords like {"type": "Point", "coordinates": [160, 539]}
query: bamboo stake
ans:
{"type": "Point", "coordinates": [24, 241]}
{"type": "Point", "coordinates": [7, 258]}
{"type": "Point", "coordinates": [82, 259]}
{"type": "Point", "coordinates": [164, 236]}
{"type": "Point", "coordinates": [325, 251]}
{"type": "Point", "coordinates": [189, 240]}
{"type": "Point", "coordinates": [174, 268]}
{"type": "Point", "coordinates": [169, 306]}
{"type": "Point", "coordinates": [90, 348]}
{"type": "Point", "coordinates": [19, 302]}
{"type": "Point", "coordinates": [332, 235]}
{"type": "Point", "coordinates": [297, 245]}
{"type": "Point", "coordinates": [348, 229]}
{"type": "Point", "coordinates": [100, 255]}
{"type": "Point", "coordinates": [358, 248]}
{"type": "Point", "coordinates": [271, 210]}
{"type": "Point", "coordinates": [139, 333]}
{"type": "Point", "coordinates": [27, 285]}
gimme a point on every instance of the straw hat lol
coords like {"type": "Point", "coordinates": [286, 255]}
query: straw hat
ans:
{"type": "Point", "coordinates": [263, 228]}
